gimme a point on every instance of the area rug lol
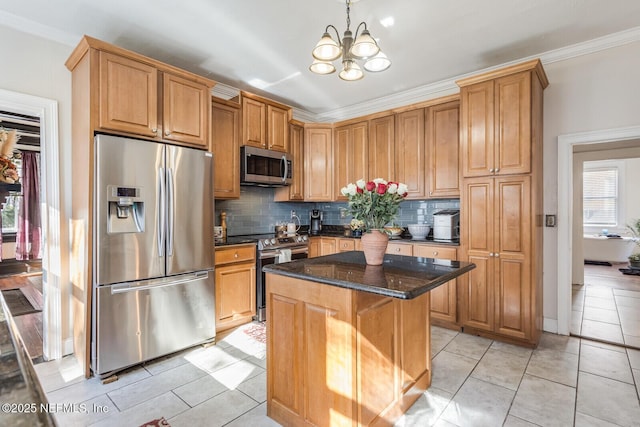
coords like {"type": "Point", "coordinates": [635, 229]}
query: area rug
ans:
{"type": "Point", "coordinates": [257, 331]}
{"type": "Point", "coordinates": [160, 422]}
{"type": "Point", "coordinates": [18, 303]}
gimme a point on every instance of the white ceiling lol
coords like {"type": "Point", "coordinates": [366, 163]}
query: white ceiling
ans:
{"type": "Point", "coordinates": [237, 41]}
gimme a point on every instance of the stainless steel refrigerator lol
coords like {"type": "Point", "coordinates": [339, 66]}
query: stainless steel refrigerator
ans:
{"type": "Point", "coordinates": [153, 253]}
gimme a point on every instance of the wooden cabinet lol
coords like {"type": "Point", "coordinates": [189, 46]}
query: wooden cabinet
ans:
{"type": "Point", "coordinates": [497, 232]}
{"type": "Point", "coordinates": [501, 203]}
{"type": "Point", "coordinates": [137, 97]}
{"type": "Point", "coordinates": [265, 123]}
{"type": "Point", "coordinates": [314, 247]}
{"type": "Point", "coordinates": [497, 123]}
{"type": "Point", "coordinates": [328, 246]}
{"type": "Point", "coordinates": [443, 148]}
{"type": "Point", "coordinates": [410, 152]}
{"type": "Point", "coordinates": [345, 245]}
{"type": "Point", "coordinates": [225, 146]}
{"type": "Point", "coordinates": [444, 299]}
{"type": "Point", "coordinates": [350, 155]}
{"type": "Point", "coordinates": [320, 246]}
{"type": "Point", "coordinates": [295, 191]}
{"type": "Point", "coordinates": [235, 279]}
{"type": "Point", "coordinates": [382, 148]}
{"type": "Point", "coordinates": [396, 248]}
{"type": "Point", "coordinates": [318, 164]}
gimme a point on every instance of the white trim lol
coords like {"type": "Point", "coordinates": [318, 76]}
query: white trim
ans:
{"type": "Point", "coordinates": [47, 111]}
{"type": "Point", "coordinates": [550, 325]}
{"type": "Point", "coordinates": [67, 346]}
{"type": "Point", "coordinates": [565, 209]}
{"type": "Point", "coordinates": [620, 166]}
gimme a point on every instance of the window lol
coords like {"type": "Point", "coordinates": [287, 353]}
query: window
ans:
{"type": "Point", "coordinates": [601, 201]}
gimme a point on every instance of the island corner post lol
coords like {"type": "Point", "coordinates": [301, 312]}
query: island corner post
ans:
{"type": "Point", "coordinates": [350, 344]}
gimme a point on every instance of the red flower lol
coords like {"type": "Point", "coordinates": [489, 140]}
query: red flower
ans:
{"type": "Point", "coordinates": [371, 186]}
{"type": "Point", "coordinates": [359, 190]}
{"type": "Point", "coordinates": [382, 188]}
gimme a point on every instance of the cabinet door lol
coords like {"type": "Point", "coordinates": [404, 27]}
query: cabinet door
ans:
{"type": "Point", "coordinates": [444, 299]}
{"type": "Point", "coordinates": [314, 247]}
{"type": "Point", "coordinates": [296, 189]}
{"type": "Point", "coordinates": [278, 128]}
{"type": "Point", "coordinates": [476, 129]}
{"type": "Point", "coordinates": [318, 171]}
{"type": "Point", "coordinates": [410, 152]}
{"type": "Point", "coordinates": [327, 246]}
{"type": "Point", "coordinates": [345, 245]}
{"type": "Point", "coordinates": [350, 155]}
{"type": "Point", "coordinates": [513, 124]}
{"type": "Point", "coordinates": [512, 256]}
{"type": "Point", "coordinates": [415, 339]}
{"type": "Point", "coordinates": [443, 153]}
{"type": "Point", "coordinates": [254, 123]}
{"type": "Point", "coordinates": [128, 96]}
{"type": "Point", "coordinates": [225, 146]}
{"type": "Point", "coordinates": [235, 294]}
{"type": "Point", "coordinates": [382, 149]}
{"type": "Point", "coordinates": [185, 114]}
{"type": "Point", "coordinates": [477, 227]}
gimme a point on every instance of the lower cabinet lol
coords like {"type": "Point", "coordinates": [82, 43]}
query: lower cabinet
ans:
{"type": "Point", "coordinates": [235, 285]}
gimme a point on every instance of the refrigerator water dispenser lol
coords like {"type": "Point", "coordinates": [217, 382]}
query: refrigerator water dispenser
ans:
{"type": "Point", "coordinates": [126, 210]}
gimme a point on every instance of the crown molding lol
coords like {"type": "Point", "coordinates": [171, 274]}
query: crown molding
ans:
{"type": "Point", "coordinates": [221, 90]}
{"type": "Point", "coordinates": [41, 30]}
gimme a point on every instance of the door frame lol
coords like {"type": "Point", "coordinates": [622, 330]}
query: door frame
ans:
{"type": "Point", "coordinates": [565, 209]}
{"type": "Point", "coordinates": [51, 212]}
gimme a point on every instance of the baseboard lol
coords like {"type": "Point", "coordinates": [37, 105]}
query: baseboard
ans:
{"type": "Point", "coordinates": [67, 347]}
{"type": "Point", "coordinates": [550, 325]}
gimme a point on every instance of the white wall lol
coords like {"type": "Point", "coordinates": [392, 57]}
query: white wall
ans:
{"type": "Point", "coordinates": [587, 93]}
{"type": "Point", "coordinates": [35, 66]}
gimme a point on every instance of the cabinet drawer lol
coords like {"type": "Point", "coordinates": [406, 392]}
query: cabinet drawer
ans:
{"type": "Point", "coordinates": [429, 251]}
{"type": "Point", "coordinates": [400, 249]}
{"type": "Point", "coordinates": [235, 254]}
{"type": "Point", "coordinates": [346, 245]}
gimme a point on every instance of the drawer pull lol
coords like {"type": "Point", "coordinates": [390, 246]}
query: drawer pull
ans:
{"type": "Point", "coordinates": [397, 249]}
{"type": "Point", "coordinates": [235, 255]}
{"type": "Point", "coordinates": [435, 253]}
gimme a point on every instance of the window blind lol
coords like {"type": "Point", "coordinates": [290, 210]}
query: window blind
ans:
{"type": "Point", "coordinates": [600, 196]}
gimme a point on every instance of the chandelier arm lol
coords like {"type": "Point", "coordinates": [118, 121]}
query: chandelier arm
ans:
{"type": "Point", "coordinates": [326, 30]}
{"type": "Point", "coordinates": [358, 29]}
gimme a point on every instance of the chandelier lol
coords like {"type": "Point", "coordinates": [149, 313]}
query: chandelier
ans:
{"type": "Point", "coordinates": [364, 48]}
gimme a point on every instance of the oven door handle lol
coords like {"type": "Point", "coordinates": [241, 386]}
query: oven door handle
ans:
{"type": "Point", "coordinates": [276, 253]}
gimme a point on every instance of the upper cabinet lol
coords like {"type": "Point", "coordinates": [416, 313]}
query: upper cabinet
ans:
{"type": "Point", "coordinates": [349, 155]}
{"type": "Point", "coordinates": [225, 146]}
{"type": "Point", "coordinates": [443, 150]}
{"type": "Point", "coordinates": [318, 165]}
{"type": "Point", "coordinates": [265, 123]}
{"type": "Point", "coordinates": [139, 96]}
{"type": "Point", "coordinates": [496, 121]}
{"type": "Point", "coordinates": [382, 148]}
{"type": "Point", "coordinates": [295, 191]}
{"type": "Point", "coordinates": [410, 152]}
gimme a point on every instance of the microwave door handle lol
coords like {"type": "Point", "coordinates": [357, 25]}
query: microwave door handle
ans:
{"type": "Point", "coordinates": [286, 168]}
{"type": "Point", "coordinates": [160, 215]}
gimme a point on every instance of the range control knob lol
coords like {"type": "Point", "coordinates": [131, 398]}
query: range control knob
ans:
{"type": "Point", "coordinates": [273, 241]}
{"type": "Point", "coordinates": [304, 238]}
{"type": "Point", "coordinates": [266, 242]}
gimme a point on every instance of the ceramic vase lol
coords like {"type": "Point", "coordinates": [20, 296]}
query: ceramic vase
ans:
{"type": "Point", "coordinates": [374, 245]}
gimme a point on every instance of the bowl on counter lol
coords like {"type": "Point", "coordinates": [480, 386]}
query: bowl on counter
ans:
{"type": "Point", "coordinates": [419, 231]}
{"type": "Point", "coordinates": [394, 230]}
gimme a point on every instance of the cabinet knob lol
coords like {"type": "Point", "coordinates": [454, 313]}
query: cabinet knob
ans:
{"type": "Point", "coordinates": [155, 131]}
{"type": "Point", "coordinates": [497, 255]}
{"type": "Point", "coordinates": [490, 253]}
{"type": "Point", "coordinates": [397, 249]}
{"type": "Point", "coordinates": [235, 255]}
{"type": "Point", "coordinates": [491, 170]}
{"type": "Point", "coordinates": [435, 253]}
{"type": "Point", "coordinates": [167, 133]}
{"type": "Point", "coordinates": [497, 170]}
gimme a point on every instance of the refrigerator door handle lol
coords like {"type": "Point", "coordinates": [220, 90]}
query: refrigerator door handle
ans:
{"type": "Point", "coordinates": [160, 211]}
{"type": "Point", "coordinates": [158, 283]}
{"type": "Point", "coordinates": [172, 211]}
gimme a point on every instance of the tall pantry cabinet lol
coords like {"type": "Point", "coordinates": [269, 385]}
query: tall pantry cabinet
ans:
{"type": "Point", "coordinates": [501, 202]}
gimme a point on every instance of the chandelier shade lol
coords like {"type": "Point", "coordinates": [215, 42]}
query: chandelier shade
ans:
{"type": "Point", "coordinates": [362, 47]}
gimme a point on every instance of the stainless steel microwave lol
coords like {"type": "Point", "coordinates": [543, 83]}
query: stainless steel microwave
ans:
{"type": "Point", "coordinates": [266, 168]}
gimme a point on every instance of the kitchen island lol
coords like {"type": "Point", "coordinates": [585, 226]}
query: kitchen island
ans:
{"type": "Point", "coordinates": [348, 344]}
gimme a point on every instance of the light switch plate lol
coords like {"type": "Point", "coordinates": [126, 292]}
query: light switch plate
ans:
{"type": "Point", "coordinates": [550, 220]}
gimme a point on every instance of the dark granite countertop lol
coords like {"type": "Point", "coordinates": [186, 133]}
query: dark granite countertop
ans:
{"type": "Point", "coordinates": [405, 237]}
{"type": "Point", "coordinates": [399, 276]}
{"type": "Point", "coordinates": [20, 391]}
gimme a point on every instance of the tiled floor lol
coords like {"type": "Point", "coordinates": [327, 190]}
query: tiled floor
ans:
{"type": "Point", "coordinates": [476, 382]}
{"type": "Point", "coordinates": [607, 307]}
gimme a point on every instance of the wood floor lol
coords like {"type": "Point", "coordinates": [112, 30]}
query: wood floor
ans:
{"type": "Point", "coordinates": [29, 325]}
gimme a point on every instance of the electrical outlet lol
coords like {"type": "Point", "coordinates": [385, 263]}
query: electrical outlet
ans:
{"type": "Point", "coordinates": [293, 213]}
{"type": "Point", "coordinates": [343, 213]}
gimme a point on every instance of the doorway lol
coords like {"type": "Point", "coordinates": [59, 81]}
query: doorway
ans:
{"type": "Point", "coordinates": [46, 111]}
{"type": "Point", "coordinates": [570, 234]}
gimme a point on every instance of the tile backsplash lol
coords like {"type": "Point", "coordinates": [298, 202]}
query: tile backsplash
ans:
{"type": "Point", "coordinates": [256, 212]}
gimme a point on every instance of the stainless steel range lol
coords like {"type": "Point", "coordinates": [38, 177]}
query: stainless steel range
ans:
{"type": "Point", "coordinates": [276, 250]}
